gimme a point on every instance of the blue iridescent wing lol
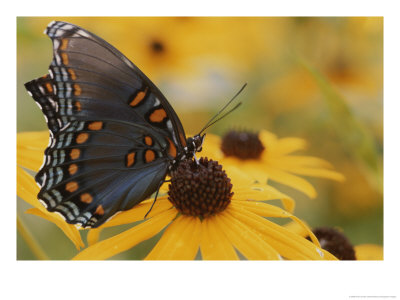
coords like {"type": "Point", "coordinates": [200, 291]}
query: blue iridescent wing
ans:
{"type": "Point", "coordinates": [113, 134]}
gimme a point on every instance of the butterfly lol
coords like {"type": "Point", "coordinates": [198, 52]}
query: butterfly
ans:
{"type": "Point", "coordinates": [113, 134]}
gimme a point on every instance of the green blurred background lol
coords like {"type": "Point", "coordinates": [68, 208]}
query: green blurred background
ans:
{"type": "Point", "coordinates": [316, 78]}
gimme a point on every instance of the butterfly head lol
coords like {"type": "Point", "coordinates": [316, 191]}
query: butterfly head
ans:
{"type": "Point", "coordinates": [195, 144]}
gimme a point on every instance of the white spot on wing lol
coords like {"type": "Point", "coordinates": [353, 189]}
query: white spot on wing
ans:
{"type": "Point", "coordinates": [56, 44]}
{"type": "Point", "coordinates": [67, 27]}
{"type": "Point", "coordinates": [83, 33]}
{"type": "Point", "coordinates": [41, 89]}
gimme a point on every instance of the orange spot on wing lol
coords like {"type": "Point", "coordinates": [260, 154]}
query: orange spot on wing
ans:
{"type": "Point", "coordinates": [99, 210]}
{"type": "Point", "coordinates": [148, 140]}
{"type": "Point", "coordinates": [97, 125]}
{"type": "Point", "coordinates": [130, 159]}
{"type": "Point", "coordinates": [138, 97]}
{"type": "Point", "coordinates": [77, 89]}
{"type": "Point", "coordinates": [86, 198]}
{"type": "Point", "coordinates": [72, 169]}
{"type": "Point", "coordinates": [158, 115]}
{"type": "Point", "coordinates": [172, 148]}
{"type": "Point", "coordinates": [75, 153]}
{"type": "Point", "coordinates": [82, 137]}
{"type": "Point", "coordinates": [64, 57]}
{"type": "Point", "coordinates": [64, 44]}
{"type": "Point", "coordinates": [149, 156]}
{"type": "Point", "coordinates": [72, 74]}
{"type": "Point", "coordinates": [78, 106]}
{"type": "Point", "coordinates": [49, 87]}
{"type": "Point", "coordinates": [71, 186]}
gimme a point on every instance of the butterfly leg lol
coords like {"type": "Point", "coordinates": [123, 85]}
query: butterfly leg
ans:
{"type": "Point", "coordinates": [155, 198]}
{"type": "Point", "coordinates": [195, 158]}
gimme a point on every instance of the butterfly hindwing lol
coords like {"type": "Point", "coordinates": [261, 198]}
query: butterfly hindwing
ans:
{"type": "Point", "coordinates": [113, 134]}
{"type": "Point", "coordinates": [100, 166]}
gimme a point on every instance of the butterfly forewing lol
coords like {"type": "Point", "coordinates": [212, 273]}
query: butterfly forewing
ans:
{"type": "Point", "coordinates": [102, 82]}
{"type": "Point", "coordinates": [113, 134]}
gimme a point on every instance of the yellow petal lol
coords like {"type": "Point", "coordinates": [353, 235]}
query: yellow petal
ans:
{"type": "Point", "coordinates": [268, 139]}
{"type": "Point", "coordinates": [237, 176]}
{"type": "Point", "coordinates": [256, 169]}
{"type": "Point", "coordinates": [369, 252]}
{"type": "Point", "coordinates": [27, 188]}
{"type": "Point", "coordinates": [296, 228]}
{"type": "Point", "coordinates": [328, 255]}
{"type": "Point", "coordinates": [30, 149]}
{"type": "Point", "coordinates": [33, 139]}
{"type": "Point", "coordinates": [286, 162]}
{"type": "Point", "coordinates": [127, 239]}
{"type": "Point", "coordinates": [214, 244]}
{"type": "Point", "coordinates": [180, 240]}
{"type": "Point", "coordinates": [317, 172]}
{"type": "Point", "coordinates": [286, 145]}
{"type": "Point", "coordinates": [138, 212]}
{"type": "Point", "coordinates": [93, 236]}
{"type": "Point", "coordinates": [30, 159]}
{"type": "Point", "coordinates": [288, 244]}
{"type": "Point", "coordinates": [292, 181]}
{"type": "Point", "coordinates": [244, 238]}
{"type": "Point", "coordinates": [262, 209]}
{"type": "Point", "coordinates": [263, 193]}
{"type": "Point", "coordinates": [69, 230]}
{"type": "Point", "coordinates": [212, 147]}
{"type": "Point", "coordinates": [272, 211]}
{"type": "Point", "coordinates": [212, 140]}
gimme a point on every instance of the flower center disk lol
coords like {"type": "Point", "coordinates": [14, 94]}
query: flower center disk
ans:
{"type": "Point", "coordinates": [201, 189]}
{"type": "Point", "coordinates": [335, 242]}
{"type": "Point", "coordinates": [242, 144]}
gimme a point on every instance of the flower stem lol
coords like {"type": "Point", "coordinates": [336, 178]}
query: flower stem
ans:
{"type": "Point", "coordinates": [30, 240]}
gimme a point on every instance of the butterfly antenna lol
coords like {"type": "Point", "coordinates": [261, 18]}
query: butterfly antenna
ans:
{"type": "Point", "coordinates": [223, 116]}
{"type": "Point", "coordinates": [210, 122]}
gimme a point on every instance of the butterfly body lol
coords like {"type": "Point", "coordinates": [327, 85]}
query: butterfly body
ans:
{"type": "Point", "coordinates": [113, 135]}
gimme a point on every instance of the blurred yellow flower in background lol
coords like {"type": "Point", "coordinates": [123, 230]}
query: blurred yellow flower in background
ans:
{"type": "Point", "coordinates": [274, 162]}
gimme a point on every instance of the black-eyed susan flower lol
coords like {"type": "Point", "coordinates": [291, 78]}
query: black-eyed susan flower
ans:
{"type": "Point", "coordinates": [264, 156]}
{"type": "Point", "coordinates": [30, 146]}
{"type": "Point", "coordinates": [206, 211]}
